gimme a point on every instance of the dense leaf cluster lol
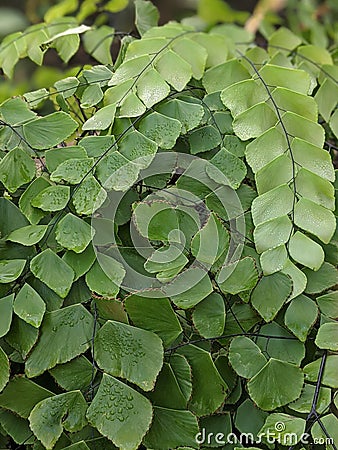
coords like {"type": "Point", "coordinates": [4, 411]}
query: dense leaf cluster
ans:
{"type": "Point", "coordinates": [168, 241]}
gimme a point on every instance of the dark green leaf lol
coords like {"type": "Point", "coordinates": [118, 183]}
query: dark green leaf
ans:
{"type": "Point", "coordinates": [74, 325]}
{"type": "Point", "coordinates": [113, 413]}
{"type": "Point", "coordinates": [53, 271]}
{"type": "Point", "coordinates": [46, 132]}
{"type": "Point", "coordinates": [130, 353]}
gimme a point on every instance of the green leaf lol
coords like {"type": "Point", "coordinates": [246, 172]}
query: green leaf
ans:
{"type": "Point", "coordinates": [72, 170]}
{"type": "Point", "coordinates": [11, 269]}
{"type": "Point", "coordinates": [161, 129]}
{"type": "Point", "coordinates": [313, 187]}
{"type": "Point", "coordinates": [305, 251]}
{"type": "Point", "coordinates": [273, 260]}
{"type": "Point", "coordinates": [89, 196]}
{"type": "Point", "coordinates": [321, 280]}
{"type": "Point", "coordinates": [16, 111]}
{"type": "Point", "coordinates": [16, 168]}
{"type": "Point", "coordinates": [11, 218]}
{"type": "Point", "coordinates": [174, 69]}
{"type": "Point", "coordinates": [67, 86]}
{"type": "Point", "coordinates": [119, 424]}
{"type": "Point", "coordinates": [255, 154]}
{"type": "Point", "coordinates": [313, 158]}
{"type": "Point", "coordinates": [166, 262]}
{"type": "Point", "coordinates": [6, 311]}
{"type": "Point", "coordinates": [21, 395]}
{"type": "Point", "coordinates": [203, 139]}
{"type": "Point", "coordinates": [327, 336]}
{"type": "Point", "coordinates": [280, 427]}
{"type": "Point", "coordinates": [277, 172]}
{"type": "Point", "coordinates": [29, 306]}
{"type": "Point", "coordinates": [243, 95]}
{"type": "Point", "coordinates": [288, 100]}
{"type": "Point", "coordinates": [330, 423]}
{"type": "Point", "coordinates": [226, 168]}
{"type": "Point", "coordinates": [298, 278]}
{"type": "Point", "coordinates": [173, 385]}
{"type": "Point", "coordinates": [334, 123]}
{"type": "Point", "coordinates": [210, 427]}
{"type": "Point", "coordinates": [75, 374]}
{"type": "Point", "coordinates": [272, 233]}
{"type": "Point", "coordinates": [193, 53]}
{"type": "Point", "coordinates": [96, 145]}
{"type": "Point", "coordinates": [315, 219]}
{"type": "Point", "coordinates": [4, 369]}
{"type": "Point", "coordinates": [268, 388]}
{"type": "Point", "coordinates": [116, 172]}
{"type": "Point", "coordinates": [146, 16]}
{"type": "Point", "coordinates": [215, 45]}
{"type": "Point", "coordinates": [74, 233]}
{"type": "Point", "coordinates": [329, 378]}
{"type": "Point", "coordinates": [249, 419]}
{"type": "Point", "coordinates": [52, 198]}
{"type": "Point", "coordinates": [283, 346]}
{"type": "Point", "coordinates": [48, 131]}
{"type": "Point", "coordinates": [223, 75]}
{"type": "Point", "coordinates": [270, 294]}
{"type": "Point", "coordinates": [105, 276]}
{"type": "Point", "coordinates": [171, 428]}
{"type": "Point", "coordinates": [22, 336]}
{"type": "Point", "coordinates": [325, 98]}
{"type": "Point", "coordinates": [300, 316]}
{"type": "Point", "coordinates": [304, 403]}
{"type": "Point", "coordinates": [98, 42]}
{"type": "Point", "coordinates": [36, 98]}
{"type": "Point", "coordinates": [268, 206]}
{"type": "Point", "coordinates": [293, 79]}
{"type": "Point", "coordinates": [72, 324]}
{"type": "Point", "coordinates": [129, 69]}
{"type": "Point", "coordinates": [254, 121]}
{"type": "Point", "coordinates": [91, 96]}
{"type": "Point", "coordinates": [130, 353]}
{"type": "Point", "coordinates": [53, 271]}
{"type": "Point", "coordinates": [299, 126]}
{"type": "Point", "coordinates": [154, 314]}
{"type": "Point", "coordinates": [101, 120]}
{"type": "Point", "coordinates": [132, 106]}
{"type": "Point", "coordinates": [189, 288]}
{"type": "Point", "coordinates": [206, 397]}
{"type": "Point", "coordinates": [16, 427]}
{"type": "Point", "coordinates": [209, 316]}
{"type": "Point", "coordinates": [50, 416]}
{"type": "Point", "coordinates": [57, 156]}
{"type": "Point", "coordinates": [328, 304]}
{"type": "Point", "coordinates": [146, 46]}
{"type": "Point", "coordinates": [189, 114]}
{"type": "Point", "coordinates": [28, 235]}
{"type": "Point", "coordinates": [155, 220]}
{"type": "Point", "coordinates": [151, 88]}
{"type": "Point", "coordinates": [138, 148]}
{"type": "Point", "coordinates": [238, 277]}
{"type": "Point", "coordinates": [211, 241]}
{"type": "Point", "coordinates": [246, 357]}
{"type": "Point", "coordinates": [281, 37]}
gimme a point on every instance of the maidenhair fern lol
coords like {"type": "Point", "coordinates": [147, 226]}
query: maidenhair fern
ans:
{"type": "Point", "coordinates": [168, 240]}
